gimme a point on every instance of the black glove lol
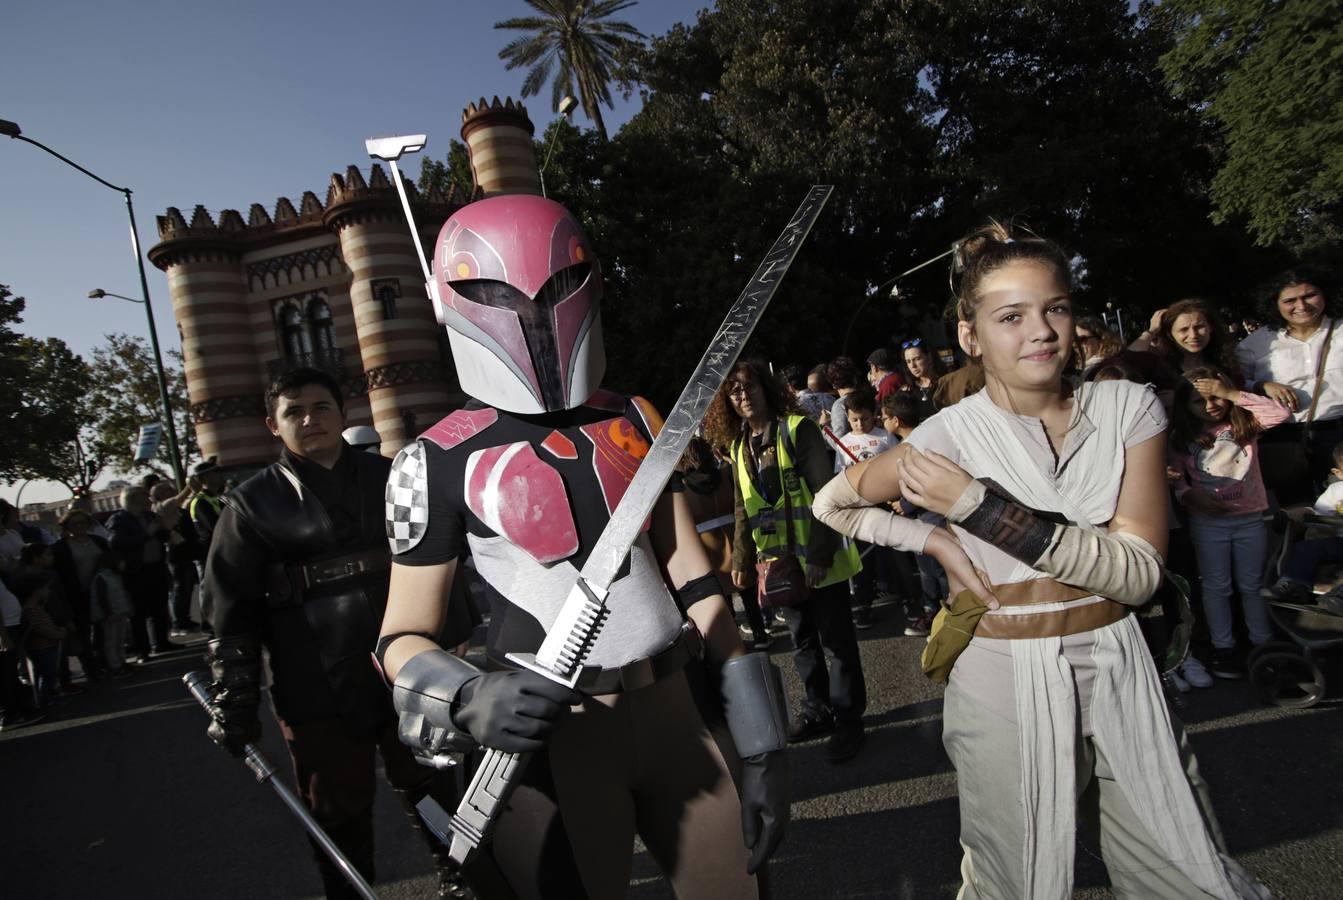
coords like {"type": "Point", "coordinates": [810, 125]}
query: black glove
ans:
{"type": "Point", "coordinates": [512, 711]}
{"type": "Point", "coordinates": [764, 805]}
{"type": "Point", "coordinates": [235, 664]}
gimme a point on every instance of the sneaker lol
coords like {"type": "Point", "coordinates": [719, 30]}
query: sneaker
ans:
{"type": "Point", "coordinates": [167, 647]}
{"type": "Point", "coordinates": [1284, 590]}
{"type": "Point", "coordinates": [919, 627]}
{"type": "Point", "coordinates": [1224, 664]}
{"type": "Point", "coordinates": [807, 725]}
{"type": "Point", "coordinates": [862, 618]}
{"type": "Point", "coordinates": [1173, 677]}
{"type": "Point", "coordinates": [844, 743]}
{"type": "Point", "coordinates": [1195, 673]}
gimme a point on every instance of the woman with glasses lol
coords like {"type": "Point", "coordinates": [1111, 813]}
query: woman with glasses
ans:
{"type": "Point", "coordinates": [1296, 361]}
{"type": "Point", "coordinates": [779, 462]}
{"type": "Point", "coordinates": [922, 370]}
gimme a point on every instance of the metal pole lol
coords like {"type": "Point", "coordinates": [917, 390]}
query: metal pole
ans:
{"type": "Point", "coordinates": [168, 424]}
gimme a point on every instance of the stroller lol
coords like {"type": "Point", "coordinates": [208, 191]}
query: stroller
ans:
{"type": "Point", "coordinates": [1289, 673]}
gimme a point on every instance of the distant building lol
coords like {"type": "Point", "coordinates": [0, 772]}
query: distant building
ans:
{"type": "Point", "coordinates": [335, 285]}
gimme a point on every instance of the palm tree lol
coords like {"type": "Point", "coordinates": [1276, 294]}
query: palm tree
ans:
{"type": "Point", "coordinates": [574, 34]}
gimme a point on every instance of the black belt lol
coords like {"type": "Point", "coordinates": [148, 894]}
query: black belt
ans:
{"type": "Point", "coordinates": [338, 568]}
{"type": "Point", "coordinates": [641, 673]}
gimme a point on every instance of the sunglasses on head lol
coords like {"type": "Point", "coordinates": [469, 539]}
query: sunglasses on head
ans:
{"type": "Point", "coordinates": [916, 342]}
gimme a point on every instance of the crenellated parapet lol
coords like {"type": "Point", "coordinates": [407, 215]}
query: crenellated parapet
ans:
{"type": "Point", "coordinates": [499, 139]}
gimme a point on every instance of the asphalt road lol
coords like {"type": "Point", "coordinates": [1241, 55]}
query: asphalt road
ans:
{"type": "Point", "coordinates": [121, 795]}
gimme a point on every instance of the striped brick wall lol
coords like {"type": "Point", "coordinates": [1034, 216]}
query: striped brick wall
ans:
{"type": "Point", "coordinates": [375, 246]}
{"type": "Point", "coordinates": [210, 304]}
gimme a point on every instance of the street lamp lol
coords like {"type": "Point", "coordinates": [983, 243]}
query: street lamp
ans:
{"type": "Point", "coordinates": [12, 130]}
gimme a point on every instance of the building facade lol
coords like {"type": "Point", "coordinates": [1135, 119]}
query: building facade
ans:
{"type": "Point", "coordinates": [336, 285]}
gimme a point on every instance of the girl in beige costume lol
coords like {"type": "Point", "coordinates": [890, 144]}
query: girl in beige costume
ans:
{"type": "Point", "coordinates": [1055, 703]}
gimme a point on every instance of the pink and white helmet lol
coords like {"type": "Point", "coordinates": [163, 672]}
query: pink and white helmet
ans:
{"type": "Point", "coordinates": [519, 291]}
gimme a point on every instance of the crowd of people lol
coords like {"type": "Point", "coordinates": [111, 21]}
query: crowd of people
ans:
{"type": "Point", "coordinates": [1013, 503]}
{"type": "Point", "coordinates": [102, 596]}
{"type": "Point", "coordinates": [1255, 426]}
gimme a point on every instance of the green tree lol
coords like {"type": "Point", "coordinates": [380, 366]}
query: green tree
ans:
{"type": "Point", "coordinates": [61, 414]}
{"type": "Point", "coordinates": [125, 395]}
{"type": "Point", "coordinates": [1268, 74]}
{"type": "Point", "coordinates": [451, 174]}
{"type": "Point", "coordinates": [15, 448]}
{"type": "Point", "coordinates": [577, 42]}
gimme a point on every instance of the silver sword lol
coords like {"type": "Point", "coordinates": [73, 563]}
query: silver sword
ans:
{"type": "Point", "coordinates": [569, 638]}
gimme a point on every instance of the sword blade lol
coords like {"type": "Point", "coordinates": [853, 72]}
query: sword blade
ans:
{"type": "Point", "coordinates": [568, 637]}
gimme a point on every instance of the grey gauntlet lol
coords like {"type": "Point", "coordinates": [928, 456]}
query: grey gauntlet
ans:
{"type": "Point", "coordinates": [757, 717]}
{"type": "Point", "coordinates": [423, 696]}
{"type": "Point", "coordinates": [1119, 566]}
{"type": "Point", "coordinates": [755, 705]}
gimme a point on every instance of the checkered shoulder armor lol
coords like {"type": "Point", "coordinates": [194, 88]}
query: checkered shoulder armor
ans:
{"type": "Point", "coordinates": [407, 499]}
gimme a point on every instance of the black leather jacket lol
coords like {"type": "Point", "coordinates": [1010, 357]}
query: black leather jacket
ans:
{"type": "Point", "coordinates": [308, 579]}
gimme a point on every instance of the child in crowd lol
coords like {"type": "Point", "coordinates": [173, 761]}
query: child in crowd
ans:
{"type": "Point", "coordinates": [1214, 449]}
{"type": "Point", "coordinates": [44, 636]}
{"type": "Point", "coordinates": [1299, 569]}
{"type": "Point", "coordinates": [110, 604]}
{"type": "Point", "coordinates": [864, 440]}
{"type": "Point", "coordinates": [900, 415]}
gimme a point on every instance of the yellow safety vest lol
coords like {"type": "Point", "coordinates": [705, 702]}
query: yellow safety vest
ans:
{"type": "Point", "coordinates": [774, 541]}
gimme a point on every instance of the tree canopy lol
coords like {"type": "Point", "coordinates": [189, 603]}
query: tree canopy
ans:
{"type": "Point", "coordinates": [1268, 75]}
{"type": "Point", "coordinates": [928, 119]}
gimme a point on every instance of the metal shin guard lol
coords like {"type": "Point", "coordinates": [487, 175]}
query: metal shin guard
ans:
{"type": "Point", "coordinates": [755, 704]}
{"type": "Point", "coordinates": [423, 695]}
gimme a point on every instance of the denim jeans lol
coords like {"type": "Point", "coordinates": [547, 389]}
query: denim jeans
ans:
{"type": "Point", "coordinates": [1232, 548]}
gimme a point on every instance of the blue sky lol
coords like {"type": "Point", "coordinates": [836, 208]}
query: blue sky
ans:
{"type": "Point", "coordinates": [221, 104]}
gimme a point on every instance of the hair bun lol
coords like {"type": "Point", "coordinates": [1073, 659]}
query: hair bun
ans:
{"type": "Point", "coordinates": [991, 246]}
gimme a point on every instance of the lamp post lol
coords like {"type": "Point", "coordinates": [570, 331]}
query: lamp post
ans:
{"type": "Point", "coordinates": [12, 130]}
{"type": "Point", "coordinates": [567, 106]}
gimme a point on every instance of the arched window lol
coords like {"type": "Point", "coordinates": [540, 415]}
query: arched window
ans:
{"type": "Point", "coordinates": [319, 317]}
{"type": "Point", "coordinates": [385, 291]}
{"type": "Point", "coordinates": [296, 341]}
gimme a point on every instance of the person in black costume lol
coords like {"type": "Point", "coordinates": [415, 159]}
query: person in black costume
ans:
{"type": "Point", "coordinates": [299, 565]}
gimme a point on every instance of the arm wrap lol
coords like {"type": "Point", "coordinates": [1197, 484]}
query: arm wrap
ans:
{"type": "Point", "coordinates": [755, 704]}
{"type": "Point", "coordinates": [842, 508]}
{"type": "Point", "coordinates": [696, 589]}
{"type": "Point", "coordinates": [998, 520]}
{"type": "Point", "coordinates": [1120, 566]}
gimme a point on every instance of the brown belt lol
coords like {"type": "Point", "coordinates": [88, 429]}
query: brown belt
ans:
{"type": "Point", "coordinates": [1053, 623]}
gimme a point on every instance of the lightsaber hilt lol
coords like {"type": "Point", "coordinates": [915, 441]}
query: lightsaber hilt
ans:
{"type": "Point", "coordinates": [201, 688]}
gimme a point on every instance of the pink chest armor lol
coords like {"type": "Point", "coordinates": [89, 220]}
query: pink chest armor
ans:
{"type": "Point", "coordinates": [519, 495]}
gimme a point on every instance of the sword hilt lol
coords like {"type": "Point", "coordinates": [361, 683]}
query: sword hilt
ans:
{"type": "Point", "coordinates": [486, 797]}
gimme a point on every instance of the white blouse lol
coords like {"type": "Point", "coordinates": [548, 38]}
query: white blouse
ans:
{"type": "Point", "coordinates": [1273, 355]}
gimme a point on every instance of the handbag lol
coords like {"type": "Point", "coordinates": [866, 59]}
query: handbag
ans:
{"type": "Point", "coordinates": [782, 582]}
{"type": "Point", "coordinates": [953, 627]}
